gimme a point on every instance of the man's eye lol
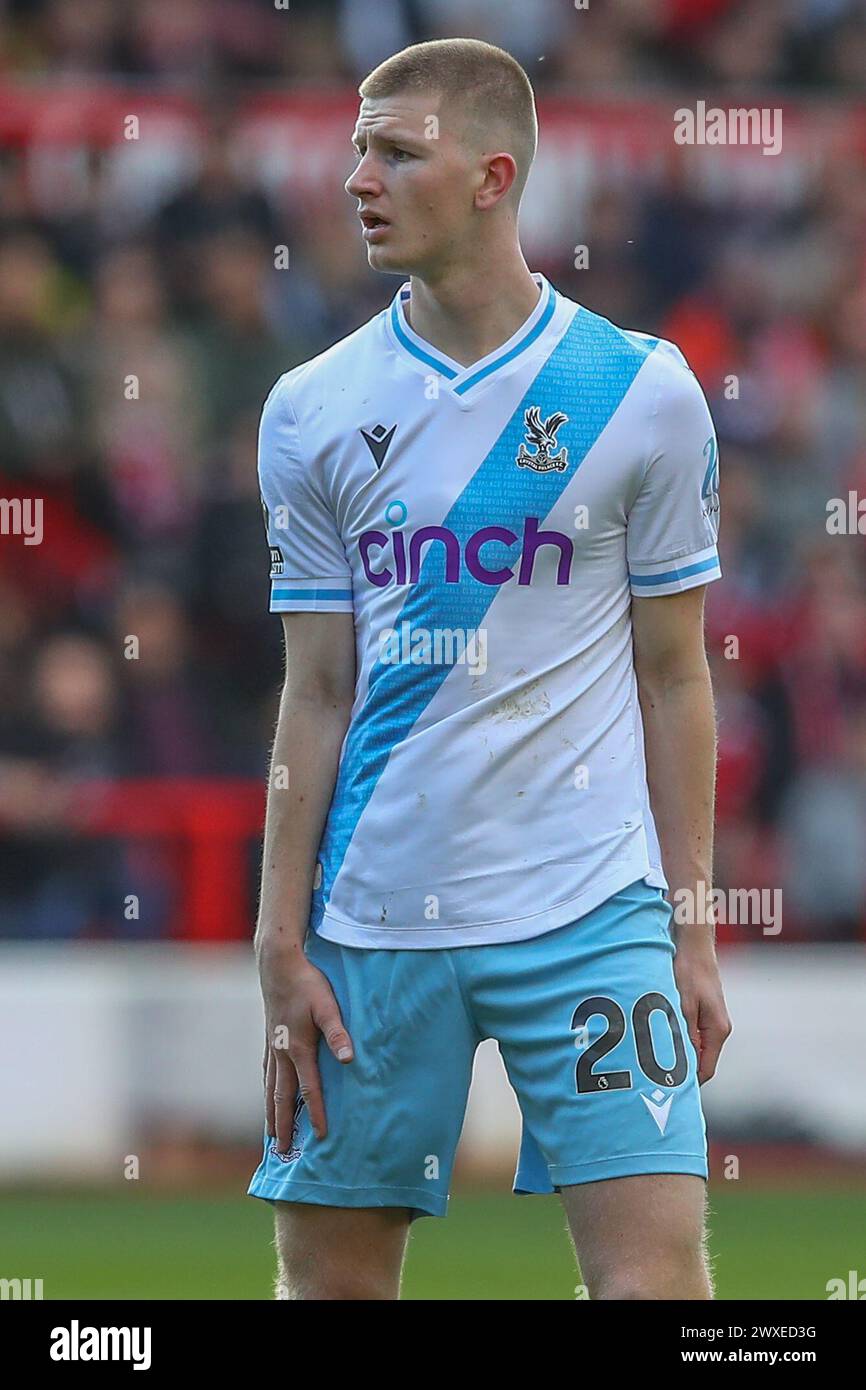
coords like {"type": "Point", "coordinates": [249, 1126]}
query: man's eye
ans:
{"type": "Point", "coordinates": [400, 155]}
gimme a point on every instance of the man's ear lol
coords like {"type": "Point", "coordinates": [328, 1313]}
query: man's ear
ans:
{"type": "Point", "coordinates": [499, 178]}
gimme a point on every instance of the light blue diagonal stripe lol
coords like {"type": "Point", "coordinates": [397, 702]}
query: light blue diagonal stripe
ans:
{"type": "Point", "coordinates": [587, 375]}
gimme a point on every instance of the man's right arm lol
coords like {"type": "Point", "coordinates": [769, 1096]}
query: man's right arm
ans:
{"type": "Point", "coordinates": [315, 709]}
{"type": "Point", "coordinates": [314, 714]}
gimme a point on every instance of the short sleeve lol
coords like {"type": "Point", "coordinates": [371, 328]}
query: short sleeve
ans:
{"type": "Point", "coordinates": [673, 524]}
{"type": "Point", "coordinates": [309, 569]}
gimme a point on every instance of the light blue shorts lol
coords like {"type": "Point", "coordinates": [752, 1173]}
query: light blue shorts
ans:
{"type": "Point", "coordinates": [590, 1028]}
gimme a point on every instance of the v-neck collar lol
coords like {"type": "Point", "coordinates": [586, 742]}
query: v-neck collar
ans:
{"type": "Point", "coordinates": [459, 379]}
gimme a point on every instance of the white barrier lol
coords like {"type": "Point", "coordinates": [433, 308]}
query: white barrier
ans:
{"type": "Point", "coordinates": [102, 1045]}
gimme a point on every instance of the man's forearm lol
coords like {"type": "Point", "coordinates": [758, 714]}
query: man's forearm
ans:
{"type": "Point", "coordinates": [680, 743]}
{"type": "Point", "coordinates": [304, 763]}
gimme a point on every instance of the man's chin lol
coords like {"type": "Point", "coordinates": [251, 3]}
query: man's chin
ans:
{"type": "Point", "coordinates": [388, 260]}
{"type": "Point", "coordinates": [391, 259]}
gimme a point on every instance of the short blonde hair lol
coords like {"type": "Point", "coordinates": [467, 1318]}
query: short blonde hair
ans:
{"type": "Point", "coordinates": [487, 82]}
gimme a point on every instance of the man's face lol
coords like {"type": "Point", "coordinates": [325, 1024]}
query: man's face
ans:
{"type": "Point", "coordinates": [415, 181]}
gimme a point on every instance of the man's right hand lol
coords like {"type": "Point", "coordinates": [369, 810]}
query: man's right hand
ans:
{"type": "Point", "coordinates": [299, 1006]}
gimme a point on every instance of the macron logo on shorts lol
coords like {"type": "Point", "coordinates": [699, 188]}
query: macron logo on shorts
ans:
{"type": "Point", "coordinates": [659, 1111]}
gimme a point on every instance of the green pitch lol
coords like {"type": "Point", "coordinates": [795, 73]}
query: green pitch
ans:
{"type": "Point", "coordinates": [128, 1245]}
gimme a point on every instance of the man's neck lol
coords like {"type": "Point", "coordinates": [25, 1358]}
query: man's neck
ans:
{"type": "Point", "coordinates": [472, 312]}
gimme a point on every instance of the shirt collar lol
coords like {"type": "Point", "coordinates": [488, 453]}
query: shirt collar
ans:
{"type": "Point", "coordinates": [463, 379]}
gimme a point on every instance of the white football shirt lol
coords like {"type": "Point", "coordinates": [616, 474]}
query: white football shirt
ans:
{"type": "Point", "coordinates": [487, 526]}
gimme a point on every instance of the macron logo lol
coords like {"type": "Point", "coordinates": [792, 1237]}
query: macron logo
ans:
{"type": "Point", "coordinates": [378, 442]}
{"type": "Point", "coordinates": [77, 1343]}
{"type": "Point", "coordinates": [658, 1111]}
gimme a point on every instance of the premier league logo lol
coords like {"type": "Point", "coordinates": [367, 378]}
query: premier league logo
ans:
{"type": "Point", "coordinates": [295, 1148]}
{"type": "Point", "coordinates": [275, 552]}
{"type": "Point", "coordinates": [542, 434]}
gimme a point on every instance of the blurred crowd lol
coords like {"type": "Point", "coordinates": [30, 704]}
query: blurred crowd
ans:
{"type": "Point", "coordinates": [771, 42]}
{"type": "Point", "coordinates": [134, 360]}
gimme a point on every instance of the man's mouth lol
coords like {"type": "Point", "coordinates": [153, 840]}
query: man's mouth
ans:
{"type": "Point", "coordinates": [375, 228]}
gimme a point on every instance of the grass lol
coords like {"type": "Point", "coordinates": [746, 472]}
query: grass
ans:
{"type": "Point", "coordinates": [491, 1246]}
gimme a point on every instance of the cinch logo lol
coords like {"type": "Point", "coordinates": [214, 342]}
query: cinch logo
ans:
{"type": "Point", "coordinates": [404, 551]}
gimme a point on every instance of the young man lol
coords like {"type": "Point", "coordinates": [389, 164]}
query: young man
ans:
{"type": "Point", "coordinates": [491, 514]}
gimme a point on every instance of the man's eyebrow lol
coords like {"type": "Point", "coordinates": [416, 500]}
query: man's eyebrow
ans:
{"type": "Point", "coordinates": [386, 138]}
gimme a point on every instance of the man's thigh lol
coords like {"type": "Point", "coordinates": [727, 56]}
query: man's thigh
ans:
{"type": "Point", "coordinates": [394, 1113]}
{"type": "Point", "coordinates": [641, 1236]}
{"type": "Point", "coordinates": [590, 1027]}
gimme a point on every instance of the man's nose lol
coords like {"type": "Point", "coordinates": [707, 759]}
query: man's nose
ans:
{"type": "Point", "coordinates": [363, 179]}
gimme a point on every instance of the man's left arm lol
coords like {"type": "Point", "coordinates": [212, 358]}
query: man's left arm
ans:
{"type": "Point", "coordinates": [678, 712]}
